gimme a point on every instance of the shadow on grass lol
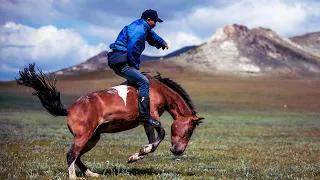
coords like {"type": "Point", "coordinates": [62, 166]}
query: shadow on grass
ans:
{"type": "Point", "coordinates": [115, 171]}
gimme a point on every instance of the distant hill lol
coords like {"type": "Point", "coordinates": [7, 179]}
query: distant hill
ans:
{"type": "Point", "coordinates": [99, 62]}
{"type": "Point", "coordinates": [179, 52]}
{"type": "Point", "coordinates": [96, 63]}
{"type": "Point", "coordinates": [310, 42]}
{"type": "Point", "coordinates": [239, 50]}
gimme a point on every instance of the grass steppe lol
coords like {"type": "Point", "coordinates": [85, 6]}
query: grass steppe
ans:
{"type": "Point", "coordinates": [254, 128]}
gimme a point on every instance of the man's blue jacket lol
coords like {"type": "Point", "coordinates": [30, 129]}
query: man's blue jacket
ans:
{"type": "Point", "coordinates": [132, 38]}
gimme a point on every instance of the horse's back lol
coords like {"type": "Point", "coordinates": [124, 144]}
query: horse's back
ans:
{"type": "Point", "coordinates": [121, 98]}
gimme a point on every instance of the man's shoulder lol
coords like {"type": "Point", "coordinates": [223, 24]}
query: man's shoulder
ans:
{"type": "Point", "coordinates": [136, 23]}
{"type": "Point", "coordinates": [136, 26]}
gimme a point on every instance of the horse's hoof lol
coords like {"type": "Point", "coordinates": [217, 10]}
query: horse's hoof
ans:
{"type": "Point", "coordinates": [72, 177]}
{"type": "Point", "coordinates": [88, 173]}
{"type": "Point", "coordinates": [131, 159]}
{"type": "Point", "coordinates": [134, 158]}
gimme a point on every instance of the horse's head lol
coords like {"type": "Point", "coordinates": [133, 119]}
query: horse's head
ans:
{"type": "Point", "coordinates": [181, 132]}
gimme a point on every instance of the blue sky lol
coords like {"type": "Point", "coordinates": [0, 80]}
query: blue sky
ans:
{"type": "Point", "coordinates": [57, 34]}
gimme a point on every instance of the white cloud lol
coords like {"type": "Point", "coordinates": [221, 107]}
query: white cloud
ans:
{"type": "Point", "coordinates": [5, 68]}
{"type": "Point", "coordinates": [47, 46]}
{"type": "Point", "coordinates": [32, 10]}
{"type": "Point", "coordinates": [102, 32]}
{"type": "Point", "coordinates": [175, 40]}
{"type": "Point", "coordinates": [277, 15]}
{"type": "Point", "coordinates": [182, 39]}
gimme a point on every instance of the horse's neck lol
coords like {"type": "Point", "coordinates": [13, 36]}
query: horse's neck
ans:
{"type": "Point", "coordinates": [177, 106]}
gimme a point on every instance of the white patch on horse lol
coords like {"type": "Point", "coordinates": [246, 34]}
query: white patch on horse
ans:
{"type": "Point", "coordinates": [72, 171]}
{"type": "Point", "coordinates": [148, 148]}
{"type": "Point", "coordinates": [122, 92]}
{"type": "Point", "coordinates": [88, 173]}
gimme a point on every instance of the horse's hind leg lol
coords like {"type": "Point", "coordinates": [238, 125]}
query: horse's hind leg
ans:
{"type": "Point", "coordinates": [70, 160]}
{"type": "Point", "coordinates": [74, 152]}
{"type": "Point", "coordinates": [90, 144]}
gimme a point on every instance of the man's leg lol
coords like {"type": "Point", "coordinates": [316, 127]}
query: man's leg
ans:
{"type": "Point", "coordinates": [136, 77]}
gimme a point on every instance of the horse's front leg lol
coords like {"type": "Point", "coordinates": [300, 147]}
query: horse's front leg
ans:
{"type": "Point", "coordinates": [150, 133]}
{"type": "Point", "coordinates": [150, 147]}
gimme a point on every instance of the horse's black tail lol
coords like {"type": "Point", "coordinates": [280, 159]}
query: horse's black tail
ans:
{"type": "Point", "coordinates": [45, 89]}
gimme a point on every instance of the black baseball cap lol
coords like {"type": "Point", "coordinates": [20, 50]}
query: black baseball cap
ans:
{"type": "Point", "coordinates": [152, 14]}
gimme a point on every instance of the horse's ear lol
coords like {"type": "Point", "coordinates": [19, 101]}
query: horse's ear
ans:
{"type": "Point", "coordinates": [198, 120]}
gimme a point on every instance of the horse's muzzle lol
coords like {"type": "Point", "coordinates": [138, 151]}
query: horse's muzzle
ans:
{"type": "Point", "coordinates": [176, 150]}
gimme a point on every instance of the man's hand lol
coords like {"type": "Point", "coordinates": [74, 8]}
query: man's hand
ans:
{"type": "Point", "coordinates": [165, 46]}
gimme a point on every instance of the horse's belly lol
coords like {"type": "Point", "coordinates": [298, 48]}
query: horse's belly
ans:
{"type": "Point", "coordinates": [115, 127]}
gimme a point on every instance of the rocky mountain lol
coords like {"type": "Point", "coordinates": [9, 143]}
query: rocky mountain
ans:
{"type": "Point", "coordinates": [239, 50]}
{"type": "Point", "coordinates": [310, 42]}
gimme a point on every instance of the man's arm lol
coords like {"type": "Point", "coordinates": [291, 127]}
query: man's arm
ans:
{"type": "Point", "coordinates": [154, 40]}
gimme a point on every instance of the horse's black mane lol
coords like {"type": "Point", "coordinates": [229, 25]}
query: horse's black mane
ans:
{"type": "Point", "coordinates": [177, 88]}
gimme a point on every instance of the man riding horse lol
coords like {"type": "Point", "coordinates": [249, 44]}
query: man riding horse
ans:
{"type": "Point", "coordinates": [115, 109]}
{"type": "Point", "coordinates": [124, 59]}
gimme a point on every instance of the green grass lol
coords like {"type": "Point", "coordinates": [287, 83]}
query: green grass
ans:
{"type": "Point", "coordinates": [236, 141]}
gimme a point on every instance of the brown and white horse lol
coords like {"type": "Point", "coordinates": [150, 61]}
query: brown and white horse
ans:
{"type": "Point", "coordinates": [115, 110]}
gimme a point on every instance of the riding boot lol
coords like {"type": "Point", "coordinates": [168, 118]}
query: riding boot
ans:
{"type": "Point", "coordinates": [144, 112]}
